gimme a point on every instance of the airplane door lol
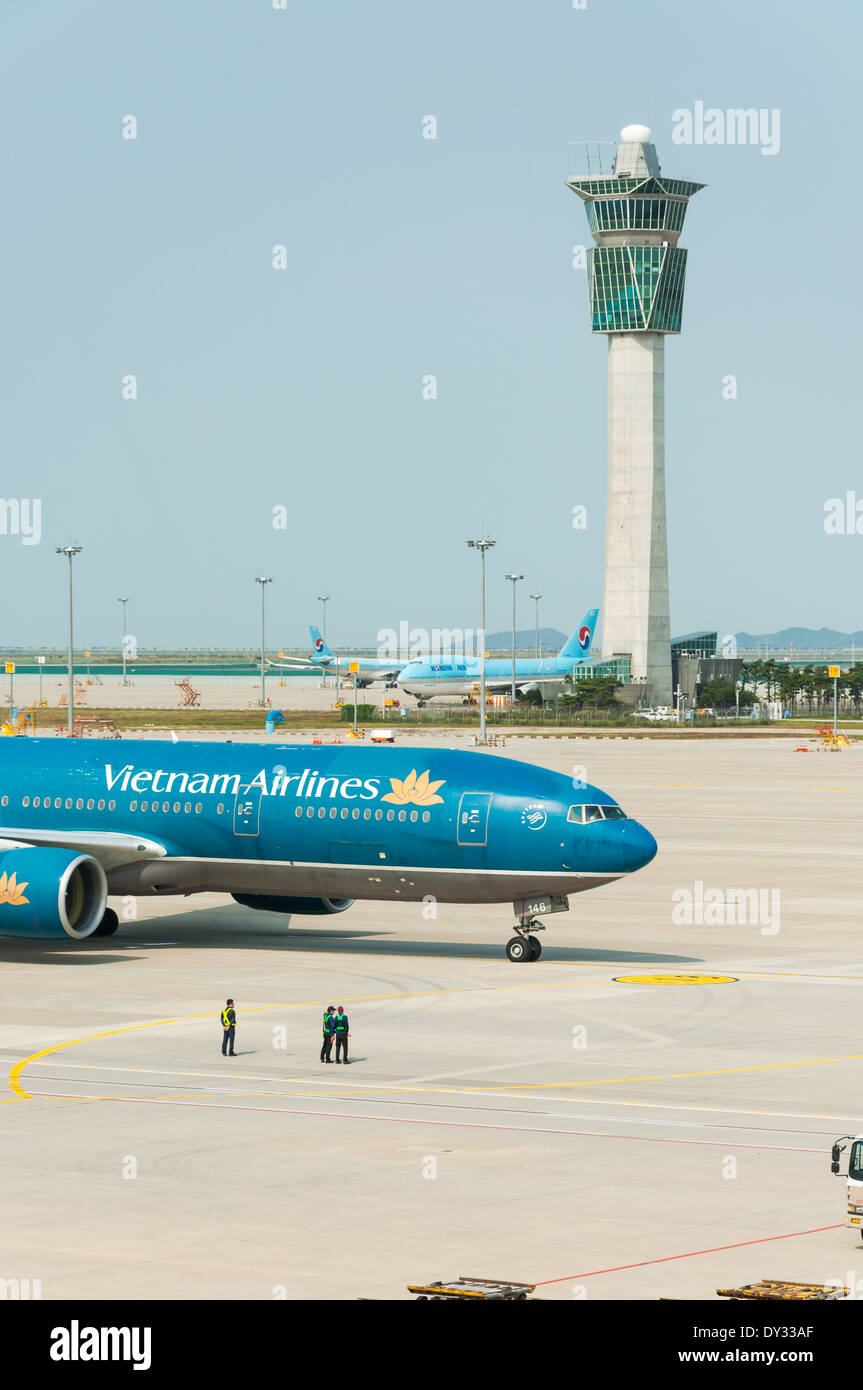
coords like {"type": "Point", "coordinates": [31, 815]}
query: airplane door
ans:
{"type": "Point", "coordinates": [247, 811]}
{"type": "Point", "coordinates": [473, 812]}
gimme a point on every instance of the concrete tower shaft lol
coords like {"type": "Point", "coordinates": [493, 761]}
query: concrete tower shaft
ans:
{"type": "Point", "coordinates": [636, 275]}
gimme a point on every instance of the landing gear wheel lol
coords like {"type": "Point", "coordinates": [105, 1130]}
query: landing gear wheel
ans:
{"type": "Point", "coordinates": [535, 947]}
{"type": "Point", "coordinates": [518, 949]}
{"type": "Point", "coordinates": [109, 923]}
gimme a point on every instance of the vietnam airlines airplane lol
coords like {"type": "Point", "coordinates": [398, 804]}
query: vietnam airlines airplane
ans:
{"type": "Point", "coordinates": [294, 830]}
{"type": "Point", "coordinates": [370, 668]}
{"type": "Point", "coordinates": [425, 679]}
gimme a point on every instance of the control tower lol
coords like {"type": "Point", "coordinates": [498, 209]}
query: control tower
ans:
{"type": "Point", "coordinates": [636, 271]}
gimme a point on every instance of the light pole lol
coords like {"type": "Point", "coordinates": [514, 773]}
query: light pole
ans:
{"type": "Point", "coordinates": [482, 546]}
{"type": "Point", "coordinates": [70, 551]}
{"type": "Point", "coordinates": [537, 597]}
{"type": "Point", "coordinates": [515, 578]}
{"type": "Point", "coordinates": [124, 601]}
{"type": "Point", "coordinates": [263, 583]}
{"type": "Point", "coordinates": [323, 600]}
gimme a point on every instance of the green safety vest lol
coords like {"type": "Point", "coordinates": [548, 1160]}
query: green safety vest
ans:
{"type": "Point", "coordinates": [341, 1023]}
{"type": "Point", "coordinates": [328, 1022]}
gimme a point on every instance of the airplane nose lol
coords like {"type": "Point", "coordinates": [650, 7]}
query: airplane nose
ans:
{"type": "Point", "coordinates": [636, 846]}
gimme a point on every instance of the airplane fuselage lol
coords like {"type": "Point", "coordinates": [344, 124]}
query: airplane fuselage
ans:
{"type": "Point", "coordinates": [323, 821]}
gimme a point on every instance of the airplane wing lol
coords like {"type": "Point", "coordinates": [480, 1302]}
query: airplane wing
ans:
{"type": "Point", "coordinates": [298, 663]}
{"type": "Point", "coordinates": [110, 847]}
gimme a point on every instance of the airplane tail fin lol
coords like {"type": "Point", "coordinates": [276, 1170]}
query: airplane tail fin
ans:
{"type": "Point", "coordinates": [579, 644]}
{"type": "Point", "coordinates": [320, 650]}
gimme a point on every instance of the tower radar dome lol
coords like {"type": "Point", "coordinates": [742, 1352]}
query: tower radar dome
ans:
{"type": "Point", "coordinates": [635, 134]}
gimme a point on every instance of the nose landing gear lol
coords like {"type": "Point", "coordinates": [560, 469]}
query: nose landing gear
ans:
{"type": "Point", "coordinates": [524, 946]}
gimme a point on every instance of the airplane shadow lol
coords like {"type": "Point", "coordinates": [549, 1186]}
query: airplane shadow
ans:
{"type": "Point", "coordinates": [240, 929]}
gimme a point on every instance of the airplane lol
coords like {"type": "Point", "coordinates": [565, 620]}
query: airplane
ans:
{"type": "Point", "coordinates": [426, 679]}
{"type": "Point", "coordinates": [295, 830]}
{"type": "Point", "coordinates": [370, 668]}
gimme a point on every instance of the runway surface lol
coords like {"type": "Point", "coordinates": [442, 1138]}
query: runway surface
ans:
{"type": "Point", "coordinates": [646, 1111]}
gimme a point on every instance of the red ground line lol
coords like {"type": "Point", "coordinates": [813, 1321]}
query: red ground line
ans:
{"type": "Point", "coordinates": [690, 1254]}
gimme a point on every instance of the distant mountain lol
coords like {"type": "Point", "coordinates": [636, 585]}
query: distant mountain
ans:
{"type": "Point", "coordinates": [800, 638]}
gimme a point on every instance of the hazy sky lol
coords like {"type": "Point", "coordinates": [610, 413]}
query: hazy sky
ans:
{"type": "Point", "coordinates": [302, 387]}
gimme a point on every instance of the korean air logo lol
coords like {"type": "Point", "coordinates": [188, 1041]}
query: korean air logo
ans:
{"type": "Point", "coordinates": [319, 644]}
{"type": "Point", "coordinates": [534, 816]}
{"type": "Point", "coordinates": [584, 637]}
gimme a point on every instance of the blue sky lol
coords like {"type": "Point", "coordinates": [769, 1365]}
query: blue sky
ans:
{"type": "Point", "coordinates": [406, 257]}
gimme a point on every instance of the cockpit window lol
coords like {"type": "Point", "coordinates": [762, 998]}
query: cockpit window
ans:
{"type": "Point", "coordinates": [585, 815]}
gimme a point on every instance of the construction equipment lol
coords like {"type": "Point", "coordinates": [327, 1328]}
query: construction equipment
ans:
{"type": "Point", "coordinates": [468, 1287]}
{"type": "Point", "coordinates": [787, 1289]}
{"type": "Point", "coordinates": [189, 696]}
{"type": "Point", "coordinates": [21, 717]}
{"type": "Point", "coordinates": [831, 742]}
{"type": "Point", "coordinates": [854, 1189]}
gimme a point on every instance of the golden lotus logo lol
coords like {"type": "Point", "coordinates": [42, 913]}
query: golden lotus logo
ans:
{"type": "Point", "coordinates": [11, 891]}
{"type": "Point", "coordinates": [414, 791]}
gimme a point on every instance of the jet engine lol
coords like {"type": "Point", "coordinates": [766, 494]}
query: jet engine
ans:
{"type": "Point", "coordinates": [50, 894]}
{"type": "Point", "coordinates": [312, 907]}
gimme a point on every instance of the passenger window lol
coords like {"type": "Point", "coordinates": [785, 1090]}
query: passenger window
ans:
{"type": "Point", "coordinates": [379, 815]}
{"type": "Point", "coordinates": [355, 813]}
{"type": "Point", "coordinates": [37, 801]}
{"type": "Point", "coordinates": [344, 813]}
{"type": "Point", "coordinates": [391, 815]}
{"type": "Point", "coordinates": [68, 803]}
{"type": "Point", "coordinates": [79, 804]}
{"type": "Point", "coordinates": [112, 805]}
{"type": "Point", "coordinates": [198, 808]}
{"type": "Point", "coordinates": [91, 803]}
{"type": "Point", "coordinates": [298, 810]}
{"type": "Point", "coordinates": [176, 807]}
{"type": "Point", "coordinates": [426, 816]}
{"type": "Point", "coordinates": [403, 815]}
{"type": "Point", "coordinates": [133, 805]}
{"type": "Point", "coordinates": [166, 805]}
{"type": "Point", "coordinates": [145, 805]}
{"type": "Point", "coordinates": [221, 806]}
{"type": "Point", "coordinates": [187, 809]}
{"type": "Point", "coordinates": [576, 814]}
{"type": "Point", "coordinates": [310, 810]}
{"type": "Point", "coordinates": [322, 812]}
{"type": "Point", "coordinates": [5, 801]}
{"type": "Point", "coordinates": [25, 801]}
{"type": "Point", "coordinates": [100, 806]}
{"type": "Point", "coordinates": [367, 815]}
{"type": "Point", "coordinates": [415, 815]}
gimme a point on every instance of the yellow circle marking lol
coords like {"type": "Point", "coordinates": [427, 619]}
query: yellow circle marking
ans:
{"type": "Point", "coordinates": [675, 979]}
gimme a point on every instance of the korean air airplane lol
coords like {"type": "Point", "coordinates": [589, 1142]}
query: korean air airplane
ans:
{"type": "Point", "coordinates": [323, 659]}
{"type": "Point", "coordinates": [426, 679]}
{"type": "Point", "coordinates": [294, 830]}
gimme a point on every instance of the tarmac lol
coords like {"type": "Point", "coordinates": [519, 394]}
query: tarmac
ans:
{"type": "Point", "coordinates": [645, 1112]}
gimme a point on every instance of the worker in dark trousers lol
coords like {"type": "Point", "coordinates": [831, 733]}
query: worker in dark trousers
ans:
{"type": "Point", "coordinates": [229, 1028]}
{"type": "Point", "coordinates": [329, 1033]}
{"type": "Point", "coordinates": [342, 1035]}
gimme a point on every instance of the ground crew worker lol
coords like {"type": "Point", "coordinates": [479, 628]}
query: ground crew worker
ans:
{"type": "Point", "coordinates": [229, 1027]}
{"type": "Point", "coordinates": [342, 1034]}
{"type": "Point", "coordinates": [329, 1033]}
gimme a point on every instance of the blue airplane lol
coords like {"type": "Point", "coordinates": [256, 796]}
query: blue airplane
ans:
{"type": "Point", "coordinates": [296, 830]}
{"type": "Point", "coordinates": [461, 677]}
{"type": "Point", "coordinates": [323, 659]}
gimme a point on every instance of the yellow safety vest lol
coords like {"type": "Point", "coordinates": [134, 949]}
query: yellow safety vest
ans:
{"type": "Point", "coordinates": [226, 1022]}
